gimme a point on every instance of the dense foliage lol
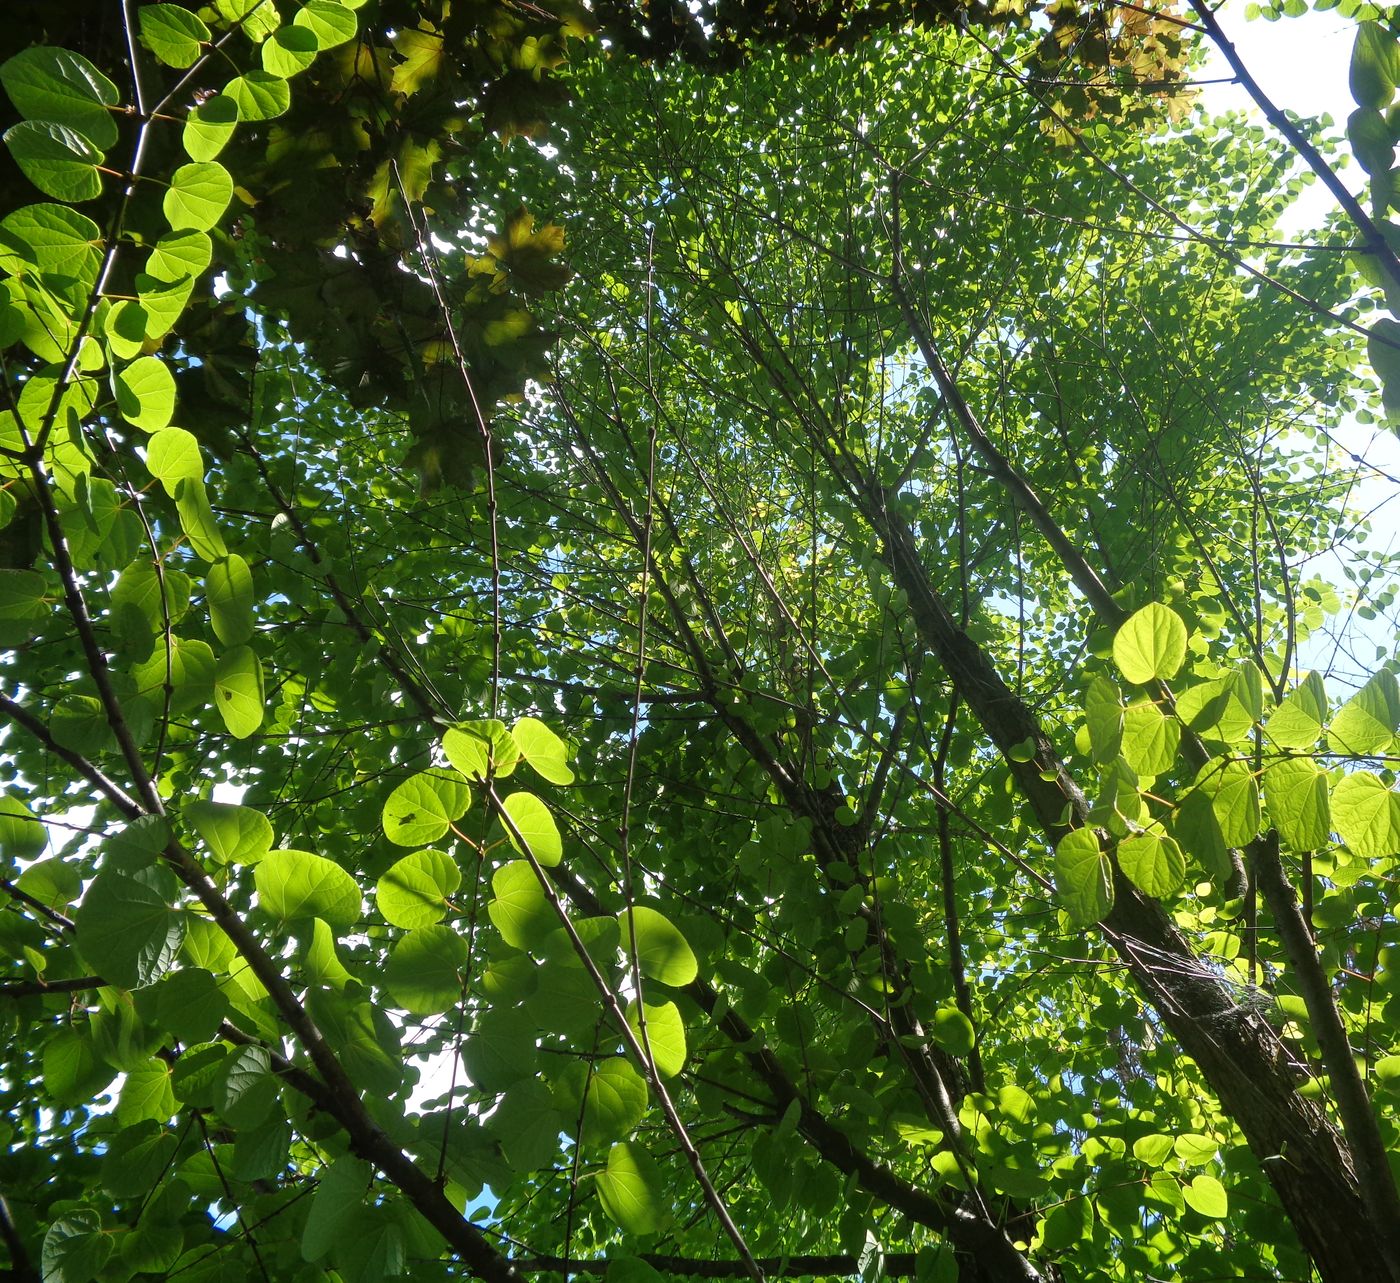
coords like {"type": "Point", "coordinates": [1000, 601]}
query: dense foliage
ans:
{"type": "Point", "coordinates": [757, 690]}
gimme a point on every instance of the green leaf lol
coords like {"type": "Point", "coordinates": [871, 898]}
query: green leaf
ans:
{"type": "Point", "coordinates": [536, 827]}
{"type": "Point", "coordinates": [528, 1126]}
{"type": "Point", "coordinates": [238, 691]}
{"type": "Point", "coordinates": [73, 1071]}
{"type": "Point", "coordinates": [1297, 722]}
{"type": "Point", "coordinates": [55, 882]}
{"type": "Point", "coordinates": [331, 23]}
{"type": "Point", "coordinates": [424, 971]}
{"type": "Point", "coordinates": [665, 1035]}
{"type": "Point", "coordinates": [1151, 645]}
{"type": "Point", "coordinates": [519, 909]}
{"type": "Point", "coordinates": [415, 891]}
{"type": "Point", "coordinates": [256, 19]}
{"type": "Point", "coordinates": [479, 748]}
{"type": "Point", "coordinates": [1207, 1196]}
{"type": "Point", "coordinates": [372, 1247]}
{"type": "Point", "coordinates": [1371, 141]}
{"type": "Point", "coordinates": [1150, 740]}
{"type": "Point", "coordinates": [127, 932]}
{"type": "Point", "coordinates": [190, 1005]}
{"type": "Point", "coordinates": [189, 668]}
{"type": "Point", "coordinates": [1375, 66]}
{"type": "Point", "coordinates": [1153, 863]}
{"type": "Point", "coordinates": [339, 1197]}
{"type": "Point", "coordinates": [1103, 714]}
{"type": "Point", "coordinates": [62, 242]}
{"type": "Point", "coordinates": [229, 591]}
{"type": "Point", "coordinates": [422, 808]}
{"type": "Point", "coordinates": [197, 520]}
{"type": "Point", "coordinates": [1197, 832]}
{"type": "Point", "coordinates": [198, 195]}
{"type": "Point", "coordinates": [320, 961]}
{"type": "Point", "coordinates": [58, 161]}
{"type": "Point", "coordinates": [24, 605]}
{"type": "Point", "coordinates": [56, 85]}
{"type": "Point", "coordinates": [543, 750]}
{"type": "Point", "coordinates": [1152, 1150]}
{"type": "Point", "coordinates": [172, 33]}
{"type": "Point", "coordinates": [172, 455]}
{"type": "Point", "coordinates": [662, 951]}
{"type": "Point", "coordinates": [136, 1159]}
{"type": "Point", "coordinates": [1295, 792]}
{"type": "Point", "coordinates": [614, 1101]}
{"type": "Point", "coordinates": [631, 1190]}
{"type": "Point", "coordinates": [501, 1050]}
{"type": "Point", "coordinates": [22, 836]}
{"type": "Point", "coordinates": [1234, 797]}
{"type": "Point", "coordinates": [290, 51]}
{"type": "Point", "coordinates": [161, 304]}
{"type": "Point", "coordinates": [953, 1031]}
{"type": "Point", "coordinates": [297, 884]}
{"type": "Point", "coordinates": [1367, 815]}
{"type": "Point", "coordinates": [178, 255]}
{"type": "Point", "coordinates": [1367, 722]}
{"type": "Point", "coordinates": [145, 392]}
{"type": "Point", "coordinates": [362, 1036]}
{"type": "Point", "coordinates": [246, 1088]}
{"type": "Point", "coordinates": [1083, 877]}
{"type": "Point", "coordinates": [208, 128]}
{"type": "Point", "coordinates": [1194, 1149]}
{"type": "Point", "coordinates": [259, 95]}
{"type": "Point", "coordinates": [75, 1248]}
{"type": "Point", "coordinates": [147, 1094]}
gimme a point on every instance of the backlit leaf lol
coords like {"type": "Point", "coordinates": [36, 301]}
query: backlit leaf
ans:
{"type": "Point", "coordinates": [1151, 645]}
{"type": "Point", "coordinates": [415, 890]}
{"type": "Point", "coordinates": [631, 1189]}
{"type": "Point", "coordinates": [297, 884]}
{"type": "Point", "coordinates": [661, 950]}
{"type": "Point", "coordinates": [534, 823]}
{"type": "Point", "coordinates": [1083, 876]}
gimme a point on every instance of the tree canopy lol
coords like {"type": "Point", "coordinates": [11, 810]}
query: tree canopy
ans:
{"type": "Point", "coordinates": [717, 641]}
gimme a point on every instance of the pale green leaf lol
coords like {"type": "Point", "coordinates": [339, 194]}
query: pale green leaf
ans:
{"type": "Point", "coordinates": [48, 84]}
{"type": "Point", "coordinates": [1083, 877]}
{"type": "Point", "coordinates": [1367, 815]}
{"type": "Point", "coordinates": [1151, 645]}
{"type": "Point", "coordinates": [661, 950]}
{"type": "Point", "coordinates": [543, 750]}
{"type": "Point", "coordinates": [422, 808]}
{"type": "Point", "coordinates": [1150, 740]}
{"type": "Point", "coordinates": [632, 1190]}
{"type": "Point", "coordinates": [518, 907]}
{"type": "Point", "coordinates": [415, 890]}
{"type": "Point", "coordinates": [197, 196]}
{"type": "Point", "coordinates": [172, 33]}
{"type": "Point", "coordinates": [58, 161]}
{"type": "Point", "coordinates": [1153, 863]}
{"type": "Point", "coordinates": [238, 691]}
{"type": "Point", "coordinates": [229, 592]}
{"type": "Point", "coordinates": [173, 455]}
{"type": "Point", "coordinates": [1295, 793]}
{"type": "Point", "coordinates": [535, 825]}
{"type": "Point", "coordinates": [665, 1035]}
{"type": "Point", "coordinates": [331, 23]}
{"type": "Point", "coordinates": [233, 834]}
{"type": "Point", "coordinates": [208, 128]}
{"type": "Point", "coordinates": [297, 884]}
{"type": "Point", "coordinates": [1367, 722]}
